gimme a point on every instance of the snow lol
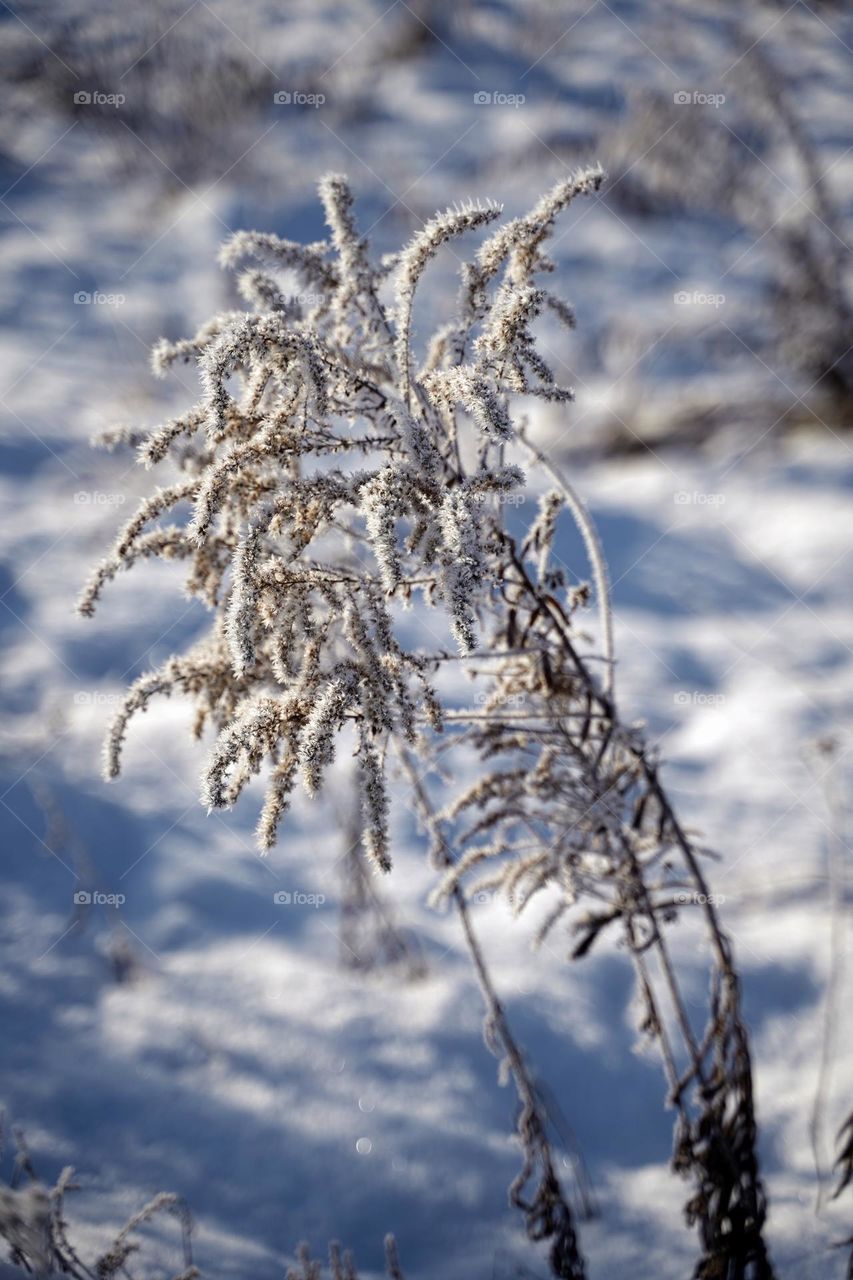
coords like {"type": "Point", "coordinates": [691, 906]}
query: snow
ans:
{"type": "Point", "coordinates": [285, 1097]}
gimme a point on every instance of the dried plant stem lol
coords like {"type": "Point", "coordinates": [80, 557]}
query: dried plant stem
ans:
{"type": "Point", "coordinates": [715, 1139]}
{"type": "Point", "coordinates": [598, 563]}
{"type": "Point", "coordinates": [548, 1215]}
{"type": "Point", "coordinates": [835, 980]}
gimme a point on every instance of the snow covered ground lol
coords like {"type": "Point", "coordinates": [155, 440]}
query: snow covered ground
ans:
{"type": "Point", "coordinates": [286, 1097]}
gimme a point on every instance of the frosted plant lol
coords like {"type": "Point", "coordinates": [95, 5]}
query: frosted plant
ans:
{"type": "Point", "coordinates": [332, 379]}
{"type": "Point", "coordinates": [327, 480]}
{"type": "Point", "coordinates": [696, 163]}
{"type": "Point", "coordinates": [190, 92]}
{"type": "Point", "coordinates": [342, 1265]}
{"type": "Point", "coordinates": [34, 1225]}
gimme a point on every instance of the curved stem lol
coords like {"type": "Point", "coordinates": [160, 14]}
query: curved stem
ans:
{"type": "Point", "coordinates": [592, 543]}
